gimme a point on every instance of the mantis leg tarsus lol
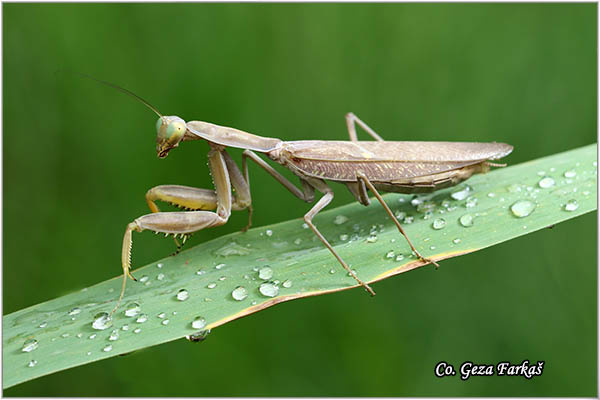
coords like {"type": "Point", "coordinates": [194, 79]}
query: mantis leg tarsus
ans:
{"type": "Point", "coordinates": [362, 177]}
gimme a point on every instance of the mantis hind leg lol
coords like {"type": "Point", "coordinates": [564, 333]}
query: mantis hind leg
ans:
{"type": "Point", "coordinates": [352, 120]}
{"type": "Point", "coordinates": [362, 177]}
{"type": "Point", "coordinates": [322, 203]}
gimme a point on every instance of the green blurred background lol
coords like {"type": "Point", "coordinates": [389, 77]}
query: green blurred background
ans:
{"type": "Point", "coordinates": [78, 158]}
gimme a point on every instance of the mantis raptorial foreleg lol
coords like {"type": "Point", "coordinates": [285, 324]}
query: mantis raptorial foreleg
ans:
{"type": "Point", "coordinates": [188, 221]}
{"type": "Point", "coordinates": [352, 120]}
{"type": "Point", "coordinates": [363, 178]}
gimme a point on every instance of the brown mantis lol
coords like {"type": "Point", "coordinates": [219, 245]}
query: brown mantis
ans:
{"type": "Point", "coordinates": [404, 167]}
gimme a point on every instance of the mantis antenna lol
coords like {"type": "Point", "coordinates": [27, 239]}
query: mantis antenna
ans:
{"type": "Point", "coordinates": [128, 92]}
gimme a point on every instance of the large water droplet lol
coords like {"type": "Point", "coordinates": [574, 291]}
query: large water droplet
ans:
{"type": "Point", "coordinates": [522, 208]}
{"type": "Point", "coordinates": [571, 205]}
{"type": "Point", "coordinates": [269, 232]}
{"type": "Point", "coordinates": [340, 219]}
{"type": "Point", "coordinates": [268, 289]}
{"type": "Point", "coordinates": [466, 220]}
{"type": "Point", "coordinates": [198, 323]}
{"type": "Point", "coordinates": [461, 193]}
{"type": "Point", "coordinates": [30, 345]}
{"type": "Point", "coordinates": [75, 311]}
{"type": "Point", "coordinates": [107, 348]}
{"type": "Point", "coordinates": [438, 223]}
{"type": "Point", "coordinates": [182, 295]}
{"type": "Point", "coordinates": [132, 309]}
{"type": "Point", "coordinates": [141, 319]}
{"type": "Point", "coordinates": [102, 321]}
{"type": "Point", "coordinates": [198, 336]}
{"type": "Point", "coordinates": [32, 363]}
{"type": "Point", "coordinates": [546, 182]}
{"type": "Point", "coordinates": [159, 265]}
{"type": "Point", "coordinates": [165, 322]}
{"type": "Point", "coordinates": [265, 273]}
{"type": "Point", "coordinates": [570, 174]}
{"type": "Point", "coordinates": [239, 294]}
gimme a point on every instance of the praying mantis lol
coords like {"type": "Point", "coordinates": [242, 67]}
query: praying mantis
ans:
{"type": "Point", "coordinates": [379, 165]}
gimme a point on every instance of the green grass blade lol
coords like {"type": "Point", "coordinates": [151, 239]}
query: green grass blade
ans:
{"type": "Point", "coordinates": [297, 258]}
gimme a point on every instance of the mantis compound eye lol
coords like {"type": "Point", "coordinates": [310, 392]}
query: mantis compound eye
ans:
{"type": "Point", "coordinates": [170, 131]}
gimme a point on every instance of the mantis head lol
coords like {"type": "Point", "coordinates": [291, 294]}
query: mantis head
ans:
{"type": "Point", "coordinates": [169, 132]}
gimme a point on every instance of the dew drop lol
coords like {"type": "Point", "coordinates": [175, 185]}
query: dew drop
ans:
{"type": "Point", "coordinates": [89, 353]}
{"type": "Point", "coordinates": [332, 271]}
{"type": "Point", "coordinates": [390, 254]}
{"type": "Point", "coordinates": [125, 327]}
{"type": "Point", "coordinates": [75, 311]}
{"type": "Point", "coordinates": [461, 193]}
{"type": "Point", "coordinates": [456, 241]}
{"type": "Point", "coordinates": [491, 194]}
{"type": "Point", "coordinates": [102, 321]}
{"type": "Point", "coordinates": [546, 182]}
{"type": "Point", "coordinates": [141, 319]}
{"type": "Point", "coordinates": [372, 238]}
{"type": "Point", "coordinates": [161, 315]}
{"type": "Point", "coordinates": [222, 278]}
{"type": "Point", "coordinates": [198, 336]}
{"type": "Point", "coordinates": [514, 188]}
{"type": "Point", "coordinates": [570, 174]}
{"type": "Point", "coordinates": [438, 223]}
{"type": "Point", "coordinates": [107, 348]}
{"type": "Point", "coordinates": [79, 335]}
{"type": "Point", "coordinates": [165, 322]}
{"type": "Point", "coordinates": [182, 295]}
{"type": "Point", "coordinates": [92, 336]}
{"type": "Point", "coordinates": [219, 266]}
{"type": "Point", "coordinates": [571, 205]}
{"type": "Point", "coordinates": [343, 237]}
{"type": "Point", "coordinates": [132, 309]}
{"type": "Point", "coordinates": [466, 220]}
{"type": "Point", "coordinates": [160, 276]}
{"type": "Point", "coordinates": [399, 257]}
{"type": "Point", "coordinates": [265, 273]}
{"type": "Point", "coordinates": [211, 285]}
{"type": "Point", "coordinates": [137, 330]}
{"type": "Point", "coordinates": [239, 294]}
{"type": "Point", "coordinates": [200, 272]}
{"type": "Point", "coordinates": [297, 241]}
{"type": "Point", "coordinates": [269, 232]}
{"type": "Point", "coordinates": [408, 220]}
{"type": "Point", "coordinates": [159, 265]}
{"type": "Point", "coordinates": [268, 289]}
{"type": "Point", "coordinates": [64, 335]}
{"type": "Point", "coordinates": [30, 345]}
{"type": "Point", "coordinates": [144, 278]}
{"type": "Point", "coordinates": [305, 226]}
{"type": "Point", "coordinates": [471, 202]}
{"type": "Point", "coordinates": [522, 208]}
{"type": "Point", "coordinates": [198, 323]}
{"type": "Point", "coordinates": [114, 335]}
{"type": "Point", "coordinates": [340, 219]}
{"type": "Point", "coordinates": [32, 363]}
{"type": "Point", "coordinates": [43, 324]}
{"type": "Point", "coordinates": [400, 215]}
{"type": "Point", "coordinates": [287, 284]}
